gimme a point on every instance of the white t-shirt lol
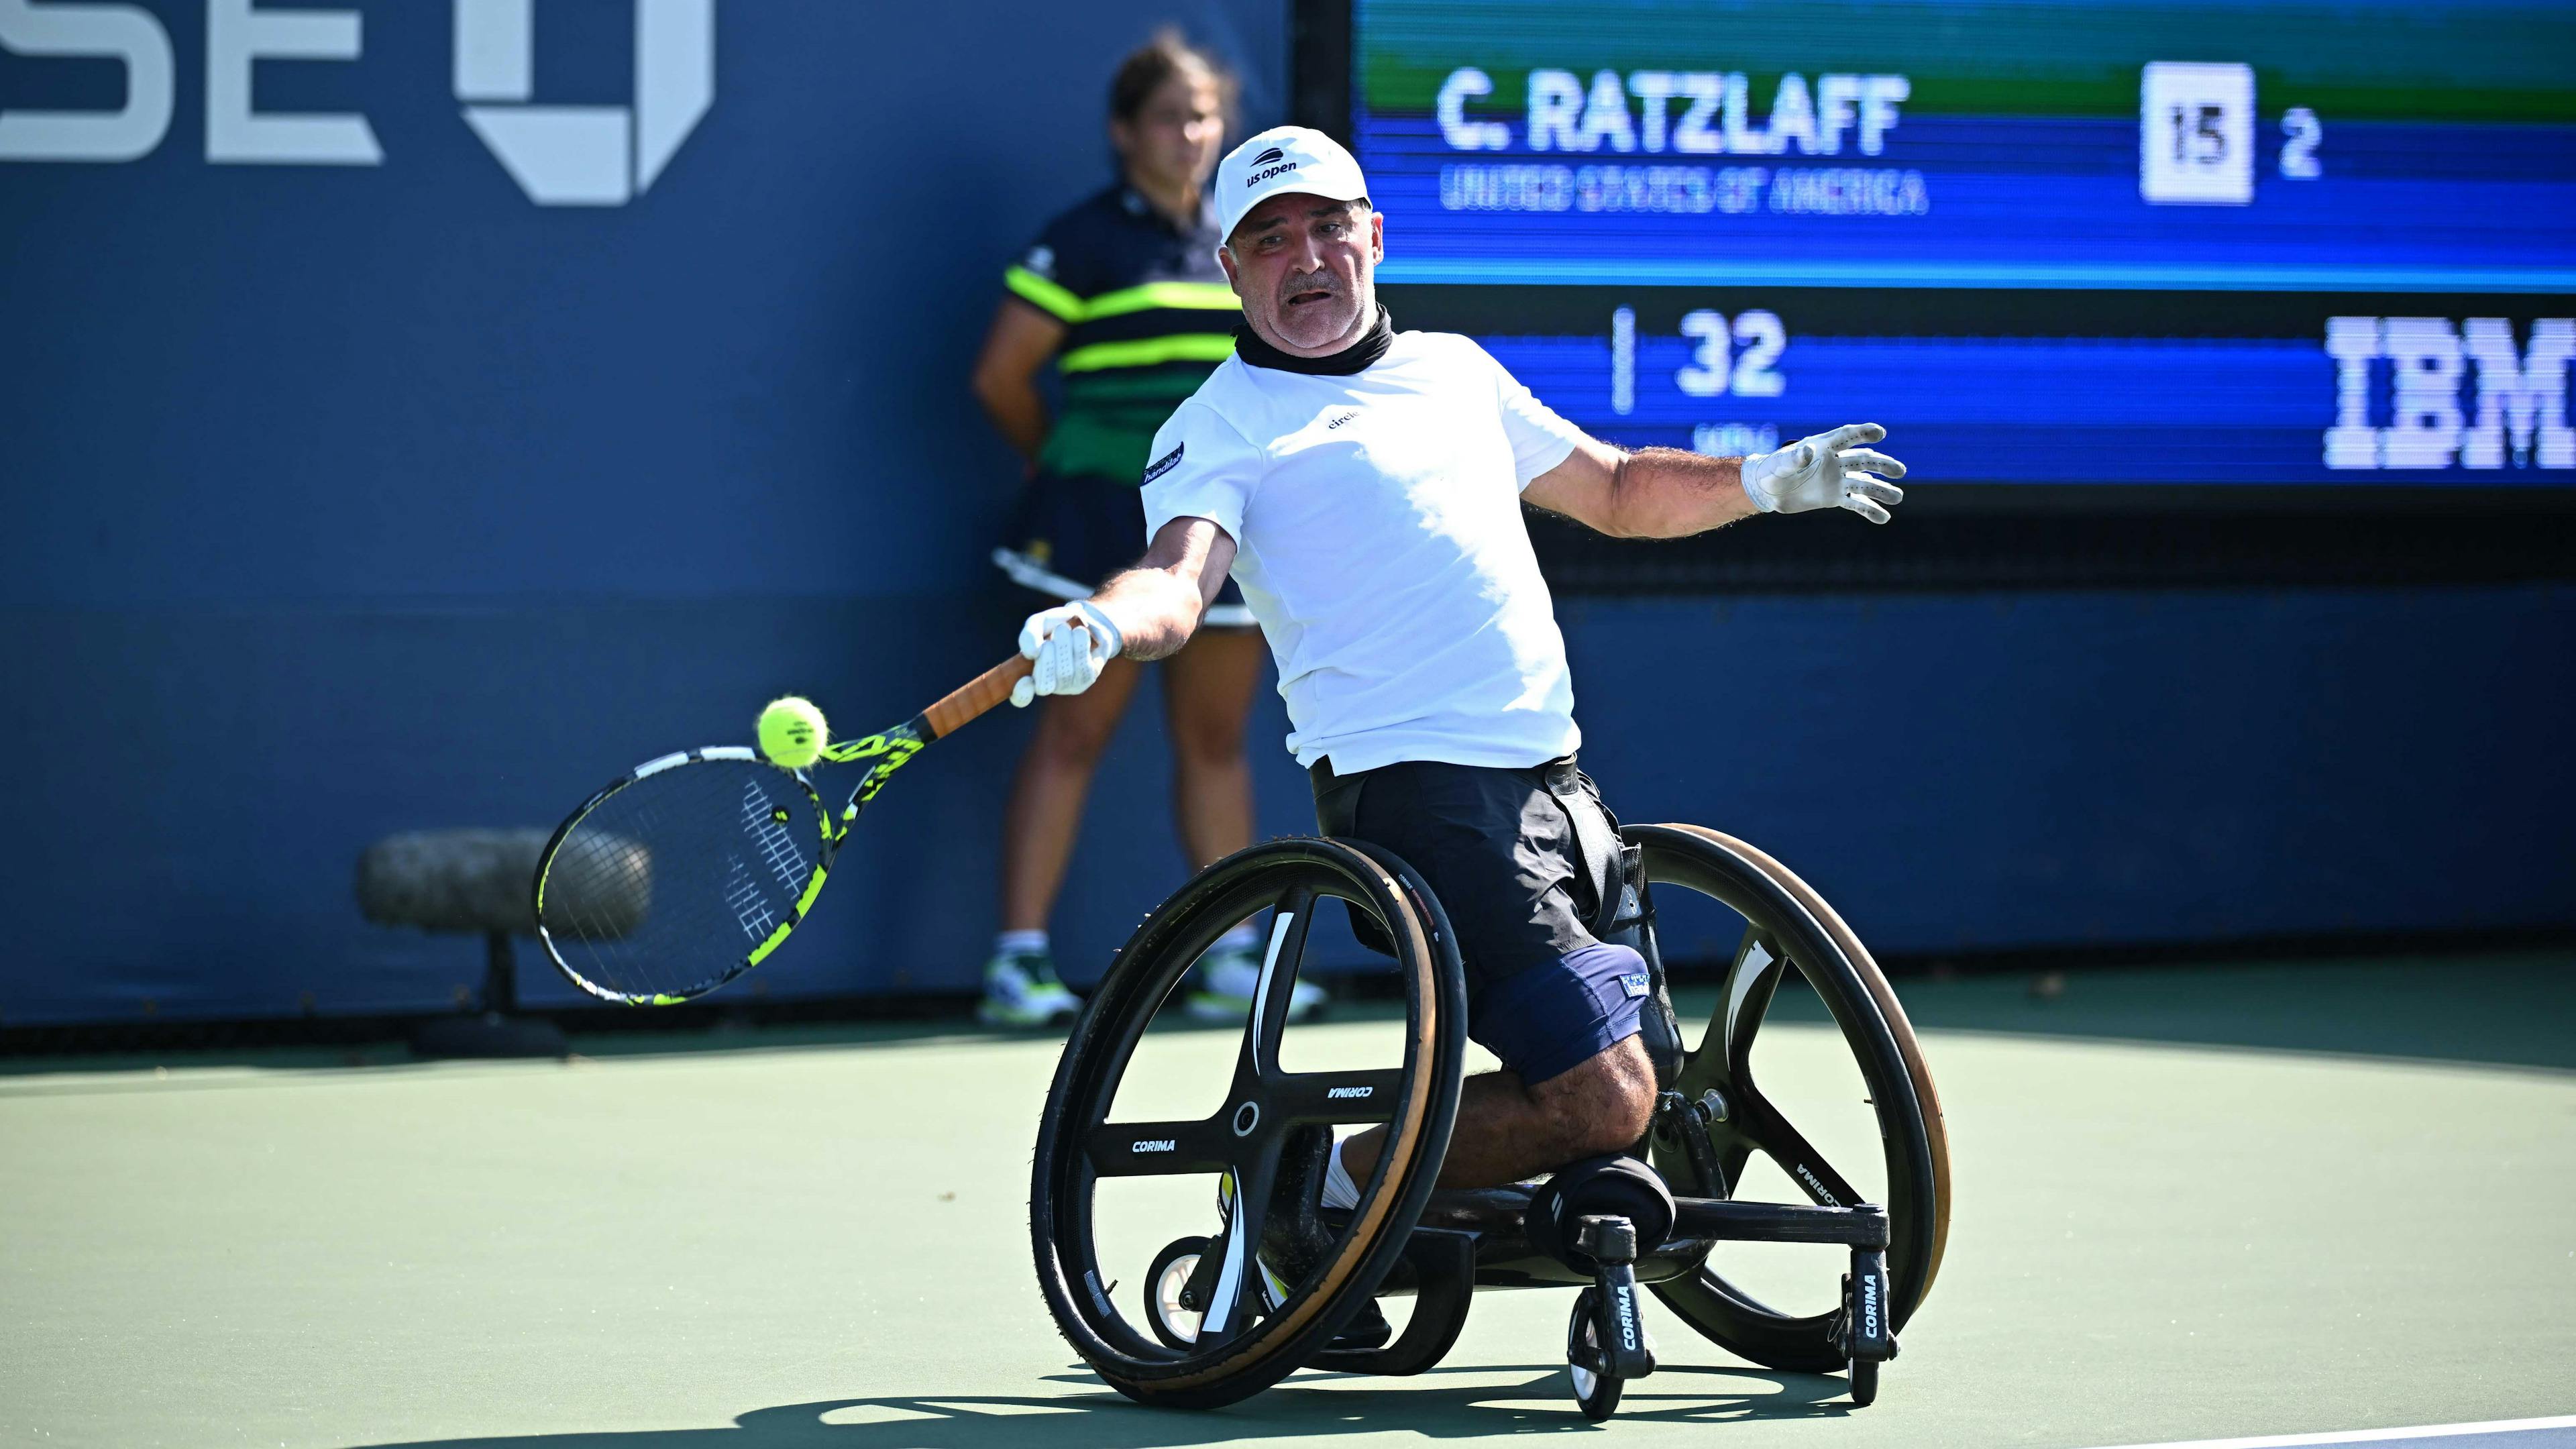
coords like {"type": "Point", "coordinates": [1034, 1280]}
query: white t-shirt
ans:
{"type": "Point", "coordinates": [1378, 536]}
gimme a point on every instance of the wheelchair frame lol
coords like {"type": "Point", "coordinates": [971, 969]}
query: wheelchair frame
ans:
{"type": "Point", "coordinates": [1405, 1237]}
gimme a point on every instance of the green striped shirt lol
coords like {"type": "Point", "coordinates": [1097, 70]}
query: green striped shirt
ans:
{"type": "Point", "coordinates": [1147, 315]}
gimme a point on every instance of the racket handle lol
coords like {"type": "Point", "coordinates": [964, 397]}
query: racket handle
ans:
{"type": "Point", "coordinates": [977, 695]}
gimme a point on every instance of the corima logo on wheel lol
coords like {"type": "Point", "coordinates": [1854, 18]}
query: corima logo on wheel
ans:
{"type": "Point", "coordinates": [1348, 1092]}
{"type": "Point", "coordinates": [1155, 1144]}
{"type": "Point", "coordinates": [1816, 1185]}
{"type": "Point", "coordinates": [585, 155]}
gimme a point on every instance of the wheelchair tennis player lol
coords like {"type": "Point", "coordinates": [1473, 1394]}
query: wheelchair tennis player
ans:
{"type": "Point", "coordinates": [1363, 488]}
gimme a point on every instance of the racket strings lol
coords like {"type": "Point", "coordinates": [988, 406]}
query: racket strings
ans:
{"type": "Point", "coordinates": [671, 882]}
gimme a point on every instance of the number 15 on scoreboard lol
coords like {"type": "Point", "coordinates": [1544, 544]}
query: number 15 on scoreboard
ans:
{"type": "Point", "coordinates": [2196, 134]}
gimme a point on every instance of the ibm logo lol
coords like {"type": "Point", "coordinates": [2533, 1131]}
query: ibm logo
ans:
{"type": "Point", "coordinates": [2460, 393]}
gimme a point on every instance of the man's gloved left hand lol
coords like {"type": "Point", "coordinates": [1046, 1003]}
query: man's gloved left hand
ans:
{"type": "Point", "coordinates": [1071, 644]}
{"type": "Point", "coordinates": [1826, 471]}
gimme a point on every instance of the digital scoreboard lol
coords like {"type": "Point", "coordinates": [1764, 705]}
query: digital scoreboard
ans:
{"type": "Point", "coordinates": [2111, 242]}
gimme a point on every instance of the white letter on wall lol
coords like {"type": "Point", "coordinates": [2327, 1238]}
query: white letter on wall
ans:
{"type": "Point", "coordinates": [120, 32]}
{"type": "Point", "coordinates": [237, 34]}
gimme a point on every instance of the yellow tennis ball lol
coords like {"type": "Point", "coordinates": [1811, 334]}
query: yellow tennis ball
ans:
{"type": "Point", "coordinates": [792, 732]}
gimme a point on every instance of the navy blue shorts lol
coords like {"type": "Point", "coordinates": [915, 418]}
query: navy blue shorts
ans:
{"type": "Point", "coordinates": [1070, 533]}
{"type": "Point", "coordinates": [1543, 994]}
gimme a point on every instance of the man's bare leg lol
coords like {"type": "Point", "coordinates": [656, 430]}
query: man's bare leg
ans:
{"type": "Point", "coordinates": [1507, 1131]}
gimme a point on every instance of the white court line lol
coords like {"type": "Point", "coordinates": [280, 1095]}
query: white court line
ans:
{"type": "Point", "coordinates": [2371, 1436]}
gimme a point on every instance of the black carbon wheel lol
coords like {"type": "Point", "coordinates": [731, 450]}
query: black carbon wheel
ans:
{"type": "Point", "coordinates": [1246, 1341]}
{"type": "Point", "coordinates": [1790, 926]}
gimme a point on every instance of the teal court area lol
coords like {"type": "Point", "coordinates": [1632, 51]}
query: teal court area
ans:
{"type": "Point", "coordinates": [2215, 1203]}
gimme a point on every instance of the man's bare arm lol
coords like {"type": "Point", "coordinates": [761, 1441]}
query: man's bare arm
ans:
{"type": "Point", "coordinates": [1651, 493]}
{"type": "Point", "coordinates": [1157, 604]}
{"type": "Point", "coordinates": [1666, 493]}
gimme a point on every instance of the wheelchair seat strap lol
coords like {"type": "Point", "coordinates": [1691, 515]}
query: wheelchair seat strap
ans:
{"type": "Point", "coordinates": [1596, 839]}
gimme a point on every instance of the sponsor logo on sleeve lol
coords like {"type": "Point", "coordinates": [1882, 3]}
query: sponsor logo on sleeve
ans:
{"type": "Point", "coordinates": [1041, 260]}
{"type": "Point", "coordinates": [1165, 463]}
{"type": "Point", "coordinates": [1634, 983]}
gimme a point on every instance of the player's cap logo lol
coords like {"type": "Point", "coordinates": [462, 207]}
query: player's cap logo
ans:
{"type": "Point", "coordinates": [1266, 157]}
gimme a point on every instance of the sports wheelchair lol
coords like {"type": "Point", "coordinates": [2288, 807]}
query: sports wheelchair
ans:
{"type": "Point", "coordinates": [1219, 1326]}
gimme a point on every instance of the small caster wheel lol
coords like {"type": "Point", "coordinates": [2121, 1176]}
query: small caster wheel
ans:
{"type": "Point", "coordinates": [1864, 1381]}
{"type": "Point", "coordinates": [1174, 1322]}
{"type": "Point", "coordinates": [1595, 1393]}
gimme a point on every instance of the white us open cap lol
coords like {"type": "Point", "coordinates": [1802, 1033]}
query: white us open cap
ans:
{"type": "Point", "coordinates": [1283, 158]}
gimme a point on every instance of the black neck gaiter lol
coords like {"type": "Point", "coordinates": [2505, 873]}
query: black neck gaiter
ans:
{"type": "Point", "coordinates": [1355, 358]}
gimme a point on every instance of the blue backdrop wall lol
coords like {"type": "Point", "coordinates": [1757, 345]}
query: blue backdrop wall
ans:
{"type": "Point", "coordinates": [350, 498]}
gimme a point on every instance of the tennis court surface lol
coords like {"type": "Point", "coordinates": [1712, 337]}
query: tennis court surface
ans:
{"type": "Point", "coordinates": [2212, 1204]}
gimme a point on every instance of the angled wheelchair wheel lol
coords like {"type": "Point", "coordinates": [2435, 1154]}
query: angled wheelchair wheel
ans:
{"type": "Point", "coordinates": [1252, 1329]}
{"type": "Point", "coordinates": [1788, 927]}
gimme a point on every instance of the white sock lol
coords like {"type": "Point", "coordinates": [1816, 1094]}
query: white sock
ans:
{"type": "Point", "coordinates": [1339, 1190]}
{"type": "Point", "coordinates": [1241, 938]}
{"type": "Point", "coordinates": [1014, 943]}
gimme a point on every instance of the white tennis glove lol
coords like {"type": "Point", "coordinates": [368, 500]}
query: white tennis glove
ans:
{"type": "Point", "coordinates": [1826, 471]}
{"type": "Point", "coordinates": [1071, 643]}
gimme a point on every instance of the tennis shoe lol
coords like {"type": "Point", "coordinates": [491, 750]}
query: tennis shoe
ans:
{"type": "Point", "coordinates": [1021, 989]}
{"type": "Point", "coordinates": [1294, 1240]}
{"type": "Point", "coordinates": [1227, 979]}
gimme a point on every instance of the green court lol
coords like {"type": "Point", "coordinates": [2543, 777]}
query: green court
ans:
{"type": "Point", "coordinates": [2189, 1204]}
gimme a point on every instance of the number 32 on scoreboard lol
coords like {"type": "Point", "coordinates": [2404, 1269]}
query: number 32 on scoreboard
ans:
{"type": "Point", "coordinates": [1714, 369]}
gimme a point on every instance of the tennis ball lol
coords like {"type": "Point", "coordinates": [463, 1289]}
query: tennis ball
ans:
{"type": "Point", "coordinates": [792, 732]}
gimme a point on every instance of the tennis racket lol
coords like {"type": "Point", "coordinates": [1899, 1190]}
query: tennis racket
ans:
{"type": "Point", "coordinates": [694, 867]}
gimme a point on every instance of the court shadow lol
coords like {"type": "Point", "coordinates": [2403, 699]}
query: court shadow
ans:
{"type": "Point", "coordinates": [2500, 1010]}
{"type": "Point", "coordinates": [1086, 1414]}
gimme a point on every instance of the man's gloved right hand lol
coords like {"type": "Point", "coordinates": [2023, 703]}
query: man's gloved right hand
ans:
{"type": "Point", "coordinates": [1071, 644]}
{"type": "Point", "coordinates": [1826, 471]}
